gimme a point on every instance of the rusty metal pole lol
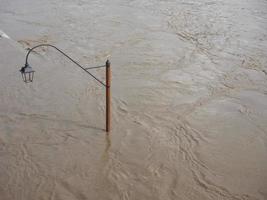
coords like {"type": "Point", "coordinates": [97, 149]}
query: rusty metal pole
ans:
{"type": "Point", "coordinates": [108, 85]}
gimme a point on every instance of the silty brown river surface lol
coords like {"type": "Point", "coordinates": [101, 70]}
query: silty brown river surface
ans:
{"type": "Point", "coordinates": [189, 100]}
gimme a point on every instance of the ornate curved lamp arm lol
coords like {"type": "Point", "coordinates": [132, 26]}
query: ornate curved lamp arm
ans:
{"type": "Point", "coordinates": [49, 45]}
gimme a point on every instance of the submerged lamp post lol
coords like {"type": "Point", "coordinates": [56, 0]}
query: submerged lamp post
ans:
{"type": "Point", "coordinates": [27, 74]}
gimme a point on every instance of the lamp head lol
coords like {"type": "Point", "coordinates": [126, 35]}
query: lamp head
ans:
{"type": "Point", "coordinates": [27, 73]}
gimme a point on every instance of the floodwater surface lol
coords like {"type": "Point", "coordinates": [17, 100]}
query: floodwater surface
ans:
{"type": "Point", "coordinates": [189, 100]}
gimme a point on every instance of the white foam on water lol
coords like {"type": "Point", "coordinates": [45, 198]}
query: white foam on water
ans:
{"type": "Point", "coordinates": [2, 34]}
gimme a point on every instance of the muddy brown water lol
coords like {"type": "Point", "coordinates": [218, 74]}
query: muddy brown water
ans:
{"type": "Point", "coordinates": [189, 100]}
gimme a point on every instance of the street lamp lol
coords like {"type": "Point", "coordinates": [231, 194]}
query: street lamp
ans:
{"type": "Point", "coordinates": [27, 74]}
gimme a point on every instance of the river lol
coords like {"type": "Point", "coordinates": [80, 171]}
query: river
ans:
{"type": "Point", "coordinates": [189, 100]}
